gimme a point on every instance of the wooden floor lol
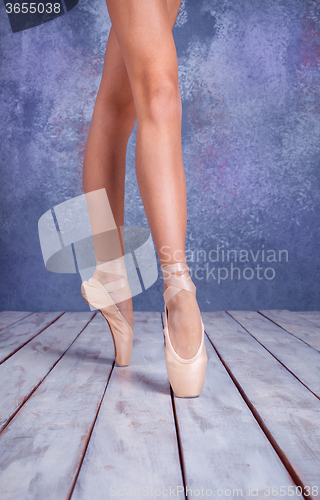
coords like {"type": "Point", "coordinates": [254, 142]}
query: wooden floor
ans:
{"type": "Point", "coordinates": [75, 426]}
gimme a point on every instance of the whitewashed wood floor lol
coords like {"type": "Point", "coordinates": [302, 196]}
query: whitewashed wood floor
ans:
{"type": "Point", "coordinates": [75, 426]}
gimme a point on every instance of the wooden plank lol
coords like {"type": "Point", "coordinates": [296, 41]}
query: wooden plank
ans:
{"type": "Point", "coordinates": [312, 316]}
{"type": "Point", "coordinates": [287, 408]}
{"type": "Point", "coordinates": [133, 448]}
{"type": "Point", "coordinates": [15, 336]}
{"type": "Point", "coordinates": [8, 318]}
{"type": "Point", "coordinates": [224, 449]}
{"type": "Point", "coordinates": [291, 351]}
{"type": "Point", "coordinates": [21, 373]}
{"type": "Point", "coordinates": [292, 323]}
{"type": "Point", "coordinates": [42, 447]}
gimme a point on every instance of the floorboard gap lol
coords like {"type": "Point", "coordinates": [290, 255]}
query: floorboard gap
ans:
{"type": "Point", "coordinates": [294, 476]}
{"type": "Point", "coordinates": [179, 443]}
{"type": "Point", "coordinates": [275, 357]}
{"type": "Point", "coordinates": [29, 340]}
{"type": "Point", "coordinates": [40, 382]}
{"type": "Point", "coordinates": [293, 335]}
{"type": "Point", "coordinates": [11, 324]}
{"type": "Point", "coordinates": [90, 434]}
{"type": "Point", "coordinates": [176, 423]}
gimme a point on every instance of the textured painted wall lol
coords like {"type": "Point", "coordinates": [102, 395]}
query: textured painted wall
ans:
{"type": "Point", "coordinates": [250, 84]}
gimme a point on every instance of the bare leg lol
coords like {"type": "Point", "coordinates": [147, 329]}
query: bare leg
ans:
{"type": "Point", "coordinates": [145, 38]}
{"type": "Point", "coordinates": [143, 31]}
{"type": "Point", "coordinates": [113, 120]}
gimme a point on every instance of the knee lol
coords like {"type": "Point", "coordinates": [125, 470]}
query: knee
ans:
{"type": "Point", "coordinates": [161, 102]}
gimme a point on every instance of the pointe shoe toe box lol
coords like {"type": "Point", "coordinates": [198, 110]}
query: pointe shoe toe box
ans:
{"type": "Point", "coordinates": [186, 376]}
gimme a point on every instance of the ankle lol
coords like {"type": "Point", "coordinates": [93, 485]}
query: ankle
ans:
{"type": "Point", "coordinates": [182, 301]}
{"type": "Point", "coordinates": [166, 273]}
{"type": "Point", "coordinates": [177, 274]}
{"type": "Point", "coordinates": [111, 270]}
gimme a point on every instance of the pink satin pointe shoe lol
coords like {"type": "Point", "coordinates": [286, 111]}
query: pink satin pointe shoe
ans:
{"type": "Point", "coordinates": [104, 296]}
{"type": "Point", "coordinates": [186, 376]}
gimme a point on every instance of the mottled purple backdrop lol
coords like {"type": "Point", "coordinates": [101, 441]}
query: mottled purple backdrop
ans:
{"type": "Point", "coordinates": [250, 84]}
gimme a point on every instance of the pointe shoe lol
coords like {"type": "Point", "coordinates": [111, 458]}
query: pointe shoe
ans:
{"type": "Point", "coordinates": [104, 298]}
{"type": "Point", "coordinates": [186, 376]}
